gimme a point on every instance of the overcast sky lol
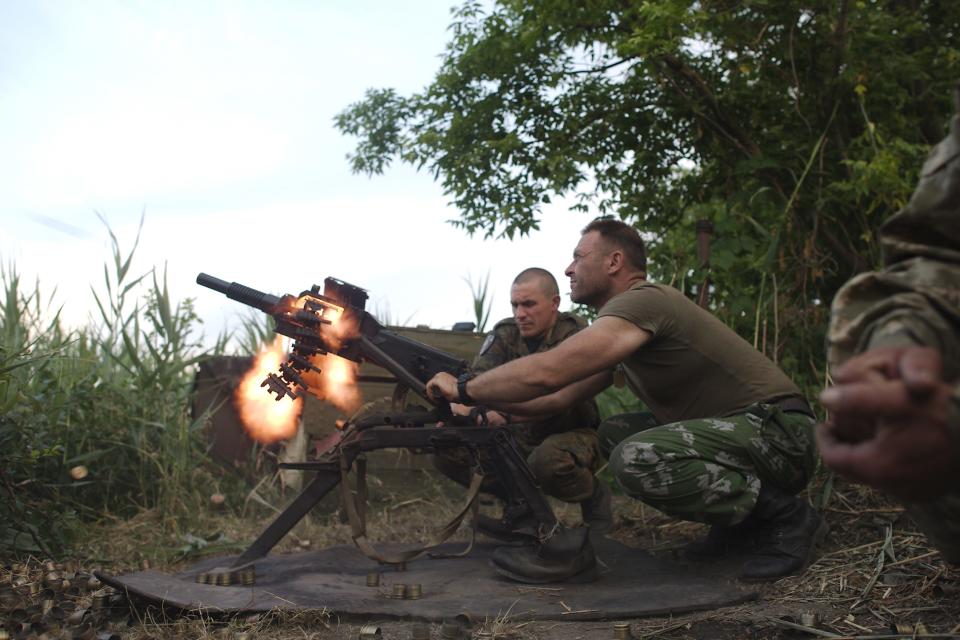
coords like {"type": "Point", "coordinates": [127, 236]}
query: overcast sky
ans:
{"type": "Point", "coordinates": [215, 119]}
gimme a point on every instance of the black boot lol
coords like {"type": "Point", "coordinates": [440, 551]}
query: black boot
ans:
{"type": "Point", "coordinates": [566, 557]}
{"type": "Point", "coordinates": [517, 524]}
{"type": "Point", "coordinates": [724, 541]}
{"type": "Point", "coordinates": [788, 529]}
{"type": "Point", "coordinates": [596, 511]}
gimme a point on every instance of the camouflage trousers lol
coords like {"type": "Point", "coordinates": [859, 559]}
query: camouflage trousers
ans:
{"type": "Point", "coordinates": [562, 463]}
{"type": "Point", "coordinates": [940, 521]}
{"type": "Point", "coordinates": [709, 469]}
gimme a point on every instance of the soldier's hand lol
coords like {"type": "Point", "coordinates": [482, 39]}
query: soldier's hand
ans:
{"type": "Point", "coordinates": [920, 368]}
{"type": "Point", "coordinates": [443, 386]}
{"type": "Point", "coordinates": [496, 419]}
{"type": "Point", "coordinates": [917, 369]}
{"type": "Point", "coordinates": [898, 406]}
{"type": "Point", "coordinates": [456, 409]}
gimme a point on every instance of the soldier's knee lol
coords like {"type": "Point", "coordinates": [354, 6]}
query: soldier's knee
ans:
{"type": "Point", "coordinates": [454, 464]}
{"type": "Point", "coordinates": [645, 469]}
{"type": "Point", "coordinates": [618, 428]}
{"type": "Point", "coordinates": [635, 457]}
{"type": "Point", "coordinates": [546, 461]}
{"type": "Point", "coordinates": [560, 474]}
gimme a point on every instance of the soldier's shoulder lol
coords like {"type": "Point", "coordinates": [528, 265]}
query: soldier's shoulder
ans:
{"type": "Point", "coordinates": [570, 320]}
{"type": "Point", "coordinates": [497, 343]}
{"type": "Point", "coordinates": [505, 326]}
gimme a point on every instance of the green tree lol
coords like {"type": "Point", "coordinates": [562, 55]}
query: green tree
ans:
{"type": "Point", "coordinates": [796, 128]}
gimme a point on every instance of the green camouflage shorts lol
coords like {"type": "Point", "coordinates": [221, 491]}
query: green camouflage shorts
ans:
{"type": "Point", "coordinates": [563, 464]}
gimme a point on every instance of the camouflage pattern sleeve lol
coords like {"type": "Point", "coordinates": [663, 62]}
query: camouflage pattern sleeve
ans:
{"type": "Point", "coordinates": [915, 299]}
{"type": "Point", "coordinates": [497, 348]}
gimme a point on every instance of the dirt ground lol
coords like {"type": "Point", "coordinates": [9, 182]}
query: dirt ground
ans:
{"type": "Point", "coordinates": [875, 577]}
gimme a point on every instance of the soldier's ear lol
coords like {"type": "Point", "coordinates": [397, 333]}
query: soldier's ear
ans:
{"type": "Point", "coordinates": [615, 260]}
{"type": "Point", "coordinates": [555, 301]}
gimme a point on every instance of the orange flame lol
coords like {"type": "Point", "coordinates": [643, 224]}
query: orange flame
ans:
{"type": "Point", "coordinates": [265, 418]}
{"type": "Point", "coordinates": [339, 329]}
{"type": "Point", "coordinates": [336, 383]}
{"type": "Point", "coordinates": [268, 420]}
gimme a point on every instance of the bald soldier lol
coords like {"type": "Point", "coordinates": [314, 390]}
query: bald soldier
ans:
{"type": "Point", "coordinates": [561, 447]}
{"type": "Point", "coordinates": [731, 440]}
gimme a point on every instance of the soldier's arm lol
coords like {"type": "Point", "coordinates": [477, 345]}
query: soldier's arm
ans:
{"type": "Point", "coordinates": [608, 341]}
{"type": "Point", "coordinates": [894, 423]}
{"type": "Point", "coordinates": [549, 405]}
{"type": "Point", "coordinates": [493, 352]}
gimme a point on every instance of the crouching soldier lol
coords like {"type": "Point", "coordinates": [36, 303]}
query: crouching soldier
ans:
{"type": "Point", "coordinates": [561, 448]}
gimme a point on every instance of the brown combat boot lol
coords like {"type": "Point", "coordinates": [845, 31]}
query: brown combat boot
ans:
{"type": "Point", "coordinates": [723, 541]}
{"type": "Point", "coordinates": [788, 530]}
{"type": "Point", "coordinates": [517, 524]}
{"type": "Point", "coordinates": [566, 557]}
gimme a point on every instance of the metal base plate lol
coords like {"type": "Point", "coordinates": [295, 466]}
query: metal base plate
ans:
{"type": "Point", "coordinates": [632, 584]}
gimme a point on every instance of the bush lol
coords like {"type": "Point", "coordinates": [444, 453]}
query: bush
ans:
{"type": "Point", "coordinates": [96, 421]}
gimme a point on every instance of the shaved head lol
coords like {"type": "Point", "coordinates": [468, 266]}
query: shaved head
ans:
{"type": "Point", "coordinates": [542, 277]}
{"type": "Point", "coordinates": [535, 299]}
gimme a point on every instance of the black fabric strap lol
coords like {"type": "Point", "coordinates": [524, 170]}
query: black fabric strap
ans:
{"type": "Point", "coordinates": [794, 403]}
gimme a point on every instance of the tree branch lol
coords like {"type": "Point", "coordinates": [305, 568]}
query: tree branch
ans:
{"type": "Point", "coordinates": [724, 125]}
{"type": "Point", "coordinates": [606, 67]}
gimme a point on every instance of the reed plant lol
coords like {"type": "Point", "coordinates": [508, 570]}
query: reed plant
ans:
{"type": "Point", "coordinates": [482, 301]}
{"type": "Point", "coordinates": [256, 330]}
{"type": "Point", "coordinates": [95, 421]}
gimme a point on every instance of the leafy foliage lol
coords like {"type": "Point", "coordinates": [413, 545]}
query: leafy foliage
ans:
{"type": "Point", "coordinates": [796, 128]}
{"type": "Point", "coordinates": [112, 398]}
{"type": "Point", "coordinates": [28, 461]}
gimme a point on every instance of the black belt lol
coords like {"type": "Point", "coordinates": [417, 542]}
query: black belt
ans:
{"type": "Point", "coordinates": [794, 403]}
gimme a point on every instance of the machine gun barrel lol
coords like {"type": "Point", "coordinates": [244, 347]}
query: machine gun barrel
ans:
{"type": "Point", "coordinates": [302, 319]}
{"type": "Point", "coordinates": [240, 292]}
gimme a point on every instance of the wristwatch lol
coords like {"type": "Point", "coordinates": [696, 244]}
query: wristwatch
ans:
{"type": "Point", "coordinates": [462, 381]}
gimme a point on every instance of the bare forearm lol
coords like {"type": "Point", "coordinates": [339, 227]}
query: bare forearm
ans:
{"type": "Point", "coordinates": [591, 352]}
{"type": "Point", "coordinates": [537, 409]}
{"type": "Point", "coordinates": [517, 381]}
{"type": "Point", "coordinates": [561, 400]}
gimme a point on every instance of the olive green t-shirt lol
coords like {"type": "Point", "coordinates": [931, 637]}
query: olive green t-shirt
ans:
{"type": "Point", "coordinates": [694, 366]}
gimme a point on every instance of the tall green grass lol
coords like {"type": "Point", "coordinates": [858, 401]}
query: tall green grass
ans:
{"type": "Point", "coordinates": [482, 301]}
{"type": "Point", "coordinates": [112, 397]}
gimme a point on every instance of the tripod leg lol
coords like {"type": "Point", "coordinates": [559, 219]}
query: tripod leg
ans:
{"type": "Point", "coordinates": [322, 483]}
